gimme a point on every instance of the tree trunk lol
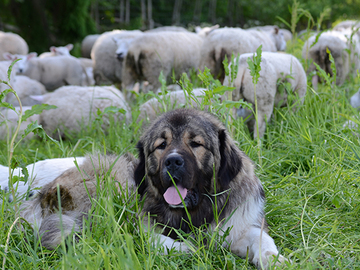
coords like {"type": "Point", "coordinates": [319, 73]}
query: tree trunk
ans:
{"type": "Point", "coordinates": [95, 14]}
{"type": "Point", "coordinates": [212, 11]}
{"type": "Point", "coordinates": [176, 12]}
{"type": "Point", "coordinates": [149, 15]}
{"type": "Point", "coordinates": [122, 11]}
{"type": "Point", "coordinates": [127, 12]}
{"type": "Point", "coordinates": [230, 12]}
{"type": "Point", "coordinates": [143, 15]}
{"type": "Point", "coordinates": [197, 11]}
{"type": "Point", "coordinates": [39, 9]}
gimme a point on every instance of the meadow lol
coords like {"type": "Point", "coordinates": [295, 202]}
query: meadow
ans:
{"type": "Point", "coordinates": [308, 162]}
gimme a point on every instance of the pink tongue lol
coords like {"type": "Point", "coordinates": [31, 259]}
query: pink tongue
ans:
{"type": "Point", "coordinates": [171, 195]}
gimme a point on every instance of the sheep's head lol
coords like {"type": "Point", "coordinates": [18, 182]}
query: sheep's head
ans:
{"type": "Point", "coordinates": [22, 65]}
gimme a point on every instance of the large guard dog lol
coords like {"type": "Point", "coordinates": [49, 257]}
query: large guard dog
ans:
{"type": "Point", "coordinates": [186, 159]}
{"type": "Point", "coordinates": [193, 150]}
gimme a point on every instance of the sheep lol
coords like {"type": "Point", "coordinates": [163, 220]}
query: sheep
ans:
{"type": "Point", "coordinates": [87, 44]}
{"type": "Point", "coordinates": [339, 45]}
{"type": "Point", "coordinates": [52, 72]}
{"type": "Point", "coordinates": [108, 69]}
{"type": "Point", "coordinates": [40, 173]}
{"type": "Point", "coordinates": [25, 87]}
{"type": "Point", "coordinates": [227, 41]}
{"type": "Point", "coordinates": [56, 51]}
{"type": "Point", "coordinates": [169, 52]}
{"type": "Point", "coordinates": [355, 100]}
{"type": "Point", "coordinates": [276, 69]}
{"type": "Point", "coordinates": [12, 43]}
{"type": "Point", "coordinates": [77, 107]}
{"type": "Point", "coordinates": [88, 74]}
{"type": "Point", "coordinates": [177, 99]}
{"type": "Point", "coordinates": [346, 25]}
{"type": "Point", "coordinates": [9, 119]}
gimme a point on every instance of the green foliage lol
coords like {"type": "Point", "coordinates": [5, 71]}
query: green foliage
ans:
{"type": "Point", "coordinates": [254, 65]}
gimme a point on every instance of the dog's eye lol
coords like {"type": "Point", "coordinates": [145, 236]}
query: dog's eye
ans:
{"type": "Point", "coordinates": [194, 144]}
{"type": "Point", "coordinates": [162, 146]}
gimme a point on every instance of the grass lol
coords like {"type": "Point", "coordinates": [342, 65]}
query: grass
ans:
{"type": "Point", "coordinates": [310, 172]}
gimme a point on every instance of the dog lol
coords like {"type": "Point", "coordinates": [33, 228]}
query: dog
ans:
{"type": "Point", "coordinates": [187, 164]}
{"type": "Point", "coordinates": [183, 156]}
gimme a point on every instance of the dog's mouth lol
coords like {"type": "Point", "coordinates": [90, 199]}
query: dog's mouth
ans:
{"type": "Point", "coordinates": [175, 197]}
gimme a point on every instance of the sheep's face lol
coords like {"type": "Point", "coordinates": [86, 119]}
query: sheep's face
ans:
{"type": "Point", "coordinates": [23, 64]}
{"type": "Point", "coordinates": [122, 47]}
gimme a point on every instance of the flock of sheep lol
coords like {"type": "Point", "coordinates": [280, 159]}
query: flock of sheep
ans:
{"type": "Point", "coordinates": [133, 58]}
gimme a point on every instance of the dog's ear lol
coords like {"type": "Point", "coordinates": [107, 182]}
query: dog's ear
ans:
{"type": "Point", "coordinates": [139, 173]}
{"type": "Point", "coordinates": [230, 164]}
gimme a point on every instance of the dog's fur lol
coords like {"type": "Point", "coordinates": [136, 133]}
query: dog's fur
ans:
{"type": "Point", "coordinates": [197, 151]}
{"type": "Point", "coordinates": [42, 212]}
{"type": "Point", "coordinates": [195, 148]}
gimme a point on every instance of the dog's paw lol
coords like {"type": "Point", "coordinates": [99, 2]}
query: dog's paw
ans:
{"type": "Point", "coordinates": [270, 259]}
{"type": "Point", "coordinates": [166, 244]}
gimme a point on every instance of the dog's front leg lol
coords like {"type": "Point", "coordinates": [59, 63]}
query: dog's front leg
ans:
{"type": "Point", "coordinates": [168, 243]}
{"type": "Point", "coordinates": [259, 246]}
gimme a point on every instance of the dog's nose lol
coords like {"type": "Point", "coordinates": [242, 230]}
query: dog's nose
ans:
{"type": "Point", "coordinates": [174, 162]}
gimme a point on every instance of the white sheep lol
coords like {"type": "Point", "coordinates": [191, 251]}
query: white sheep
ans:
{"type": "Point", "coordinates": [12, 43]}
{"type": "Point", "coordinates": [52, 72]}
{"type": "Point", "coordinates": [56, 51]}
{"type": "Point", "coordinates": [25, 87]}
{"type": "Point", "coordinates": [87, 44]}
{"type": "Point", "coordinates": [107, 68]}
{"type": "Point", "coordinates": [177, 99]}
{"type": "Point", "coordinates": [227, 41]}
{"type": "Point", "coordinates": [40, 173]}
{"type": "Point", "coordinates": [169, 52]}
{"type": "Point", "coordinates": [9, 119]}
{"type": "Point", "coordinates": [355, 100]}
{"type": "Point", "coordinates": [347, 25]}
{"type": "Point", "coordinates": [77, 107]}
{"type": "Point", "coordinates": [338, 43]}
{"type": "Point", "coordinates": [276, 69]}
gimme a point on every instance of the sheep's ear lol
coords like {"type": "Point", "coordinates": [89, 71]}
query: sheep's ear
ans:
{"type": "Point", "coordinates": [31, 55]}
{"type": "Point", "coordinates": [53, 49]}
{"type": "Point", "coordinates": [216, 26]}
{"type": "Point", "coordinates": [69, 47]}
{"type": "Point", "coordinates": [39, 98]}
{"type": "Point", "coordinates": [9, 56]}
{"type": "Point", "coordinates": [197, 29]}
{"type": "Point", "coordinates": [139, 174]}
{"type": "Point", "coordinates": [230, 163]}
{"type": "Point", "coordinates": [276, 29]}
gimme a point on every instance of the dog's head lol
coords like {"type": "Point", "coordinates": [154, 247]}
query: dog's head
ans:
{"type": "Point", "coordinates": [181, 155]}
